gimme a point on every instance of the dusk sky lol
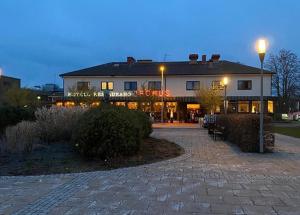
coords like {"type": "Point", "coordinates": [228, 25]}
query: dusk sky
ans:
{"type": "Point", "coordinates": [41, 39]}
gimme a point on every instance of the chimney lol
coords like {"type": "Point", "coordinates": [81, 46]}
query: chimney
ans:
{"type": "Point", "coordinates": [215, 57]}
{"type": "Point", "coordinates": [204, 59]}
{"type": "Point", "coordinates": [193, 58]}
{"type": "Point", "coordinates": [130, 60]}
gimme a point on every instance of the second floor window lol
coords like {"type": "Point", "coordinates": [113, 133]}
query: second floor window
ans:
{"type": "Point", "coordinates": [244, 85]}
{"type": "Point", "coordinates": [216, 85]}
{"type": "Point", "coordinates": [192, 85]}
{"type": "Point", "coordinates": [107, 85]}
{"type": "Point", "coordinates": [83, 86]}
{"type": "Point", "coordinates": [154, 85]}
{"type": "Point", "coordinates": [130, 85]}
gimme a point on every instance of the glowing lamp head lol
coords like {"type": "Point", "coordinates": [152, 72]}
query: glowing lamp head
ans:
{"type": "Point", "coordinates": [261, 46]}
{"type": "Point", "coordinates": [225, 81]}
{"type": "Point", "coordinates": [38, 97]}
{"type": "Point", "coordinates": [162, 68]}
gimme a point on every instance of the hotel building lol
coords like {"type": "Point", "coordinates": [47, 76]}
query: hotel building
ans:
{"type": "Point", "coordinates": [127, 82]}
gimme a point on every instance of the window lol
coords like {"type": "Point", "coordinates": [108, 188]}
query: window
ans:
{"type": "Point", "coordinates": [130, 85]}
{"type": "Point", "coordinates": [270, 107]}
{"type": "Point", "coordinates": [154, 85]}
{"type": "Point", "coordinates": [216, 85]}
{"type": "Point", "coordinates": [243, 106]}
{"type": "Point", "coordinates": [244, 85]}
{"type": "Point", "coordinates": [107, 85]}
{"type": "Point", "coordinates": [83, 86]}
{"type": "Point", "coordinates": [192, 85]}
{"type": "Point", "coordinates": [255, 107]}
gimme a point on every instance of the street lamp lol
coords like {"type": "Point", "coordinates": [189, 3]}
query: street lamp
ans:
{"type": "Point", "coordinates": [261, 50]}
{"type": "Point", "coordinates": [225, 82]}
{"type": "Point", "coordinates": [162, 69]}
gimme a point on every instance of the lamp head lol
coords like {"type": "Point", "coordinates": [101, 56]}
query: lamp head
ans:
{"type": "Point", "coordinates": [261, 46]}
{"type": "Point", "coordinates": [162, 68]}
{"type": "Point", "coordinates": [225, 81]}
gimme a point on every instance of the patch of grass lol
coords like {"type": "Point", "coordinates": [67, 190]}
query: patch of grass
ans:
{"type": "Point", "coordinates": [61, 158]}
{"type": "Point", "coordinates": [289, 131]}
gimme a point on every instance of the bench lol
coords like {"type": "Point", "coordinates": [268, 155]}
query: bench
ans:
{"type": "Point", "coordinates": [219, 131]}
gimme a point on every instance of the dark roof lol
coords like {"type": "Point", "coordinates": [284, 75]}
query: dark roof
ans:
{"type": "Point", "coordinates": [172, 68]}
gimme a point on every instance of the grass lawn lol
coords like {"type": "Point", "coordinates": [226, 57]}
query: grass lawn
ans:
{"type": "Point", "coordinates": [61, 158]}
{"type": "Point", "coordinates": [289, 131]}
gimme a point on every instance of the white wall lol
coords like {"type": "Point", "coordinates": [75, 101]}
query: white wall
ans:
{"type": "Point", "coordinates": [177, 84]}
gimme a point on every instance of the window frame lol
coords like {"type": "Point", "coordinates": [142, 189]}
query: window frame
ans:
{"type": "Point", "coordinates": [130, 85]}
{"type": "Point", "coordinates": [106, 85]}
{"type": "Point", "coordinates": [155, 85]}
{"type": "Point", "coordinates": [249, 81]}
{"type": "Point", "coordinates": [193, 85]}
{"type": "Point", "coordinates": [80, 90]}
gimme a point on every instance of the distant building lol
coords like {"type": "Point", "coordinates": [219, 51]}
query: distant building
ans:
{"type": "Point", "coordinates": [7, 83]}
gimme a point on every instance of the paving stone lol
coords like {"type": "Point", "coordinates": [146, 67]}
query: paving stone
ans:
{"type": "Point", "coordinates": [212, 177]}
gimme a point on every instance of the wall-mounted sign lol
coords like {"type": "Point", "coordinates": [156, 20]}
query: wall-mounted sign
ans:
{"type": "Point", "coordinates": [99, 94]}
{"type": "Point", "coordinates": [121, 94]}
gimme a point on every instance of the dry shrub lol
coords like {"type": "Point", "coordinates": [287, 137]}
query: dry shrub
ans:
{"type": "Point", "coordinates": [20, 138]}
{"type": "Point", "coordinates": [57, 123]}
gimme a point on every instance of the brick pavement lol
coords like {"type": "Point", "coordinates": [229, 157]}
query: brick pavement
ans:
{"type": "Point", "coordinates": [212, 177]}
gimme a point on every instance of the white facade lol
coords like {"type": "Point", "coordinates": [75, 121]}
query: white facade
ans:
{"type": "Point", "coordinates": [176, 84]}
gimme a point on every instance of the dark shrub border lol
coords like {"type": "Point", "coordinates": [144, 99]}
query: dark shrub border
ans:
{"type": "Point", "coordinates": [10, 115]}
{"type": "Point", "coordinates": [110, 131]}
{"type": "Point", "coordinates": [243, 130]}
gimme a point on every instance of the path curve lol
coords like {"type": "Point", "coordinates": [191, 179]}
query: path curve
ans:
{"type": "Point", "coordinates": [212, 177]}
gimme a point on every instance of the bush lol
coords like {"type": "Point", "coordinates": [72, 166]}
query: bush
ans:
{"type": "Point", "coordinates": [12, 115]}
{"type": "Point", "coordinates": [110, 131]}
{"type": "Point", "coordinates": [20, 138]}
{"type": "Point", "coordinates": [243, 130]}
{"type": "Point", "coordinates": [144, 123]}
{"type": "Point", "coordinates": [57, 123]}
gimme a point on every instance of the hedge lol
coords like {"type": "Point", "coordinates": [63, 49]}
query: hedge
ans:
{"type": "Point", "coordinates": [10, 115]}
{"type": "Point", "coordinates": [110, 131]}
{"type": "Point", "coordinates": [243, 130]}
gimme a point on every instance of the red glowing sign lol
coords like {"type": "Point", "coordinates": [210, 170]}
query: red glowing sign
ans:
{"type": "Point", "coordinates": [158, 93]}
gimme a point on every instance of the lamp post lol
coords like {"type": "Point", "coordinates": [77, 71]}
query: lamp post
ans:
{"type": "Point", "coordinates": [261, 49]}
{"type": "Point", "coordinates": [162, 69]}
{"type": "Point", "coordinates": [225, 82]}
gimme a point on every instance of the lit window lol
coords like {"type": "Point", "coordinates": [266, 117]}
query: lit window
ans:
{"type": "Point", "coordinates": [255, 107]}
{"type": "Point", "coordinates": [193, 106]}
{"type": "Point", "coordinates": [130, 85]}
{"type": "Point", "coordinates": [270, 107]}
{"type": "Point", "coordinates": [107, 85]}
{"type": "Point", "coordinates": [123, 104]}
{"type": "Point", "coordinates": [132, 105]}
{"type": "Point", "coordinates": [243, 106]}
{"type": "Point", "coordinates": [83, 86]}
{"type": "Point", "coordinates": [244, 85]}
{"type": "Point", "coordinates": [192, 85]}
{"type": "Point", "coordinates": [216, 85]}
{"type": "Point", "coordinates": [154, 85]}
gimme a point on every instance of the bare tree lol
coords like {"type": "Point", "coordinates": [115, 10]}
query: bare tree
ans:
{"type": "Point", "coordinates": [285, 81]}
{"type": "Point", "coordinates": [210, 98]}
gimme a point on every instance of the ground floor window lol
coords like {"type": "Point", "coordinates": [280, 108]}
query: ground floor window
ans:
{"type": "Point", "coordinates": [270, 107]}
{"type": "Point", "coordinates": [123, 104]}
{"type": "Point", "coordinates": [255, 108]}
{"type": "Point", "coordinates": [243, 106]}
{"type": "Point", "coordinates": [132, 105]}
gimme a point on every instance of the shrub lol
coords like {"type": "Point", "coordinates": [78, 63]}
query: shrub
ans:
{"type": "Point", "coordinates": [20, 138]}
{"type": "Point", "coordinates": [243, 130]}
{"type": "Point", "coordinates": [12, 115]}
{"type": "Point", "coordinates": [144, 122]}
{"type": "Point", "coordinates": [57, 123]}
{"type": "Point", "coordinates": [109, 132]}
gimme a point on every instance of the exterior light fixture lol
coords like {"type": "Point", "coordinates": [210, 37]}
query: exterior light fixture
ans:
{"type": "Point", "coordinates": [261, 46]}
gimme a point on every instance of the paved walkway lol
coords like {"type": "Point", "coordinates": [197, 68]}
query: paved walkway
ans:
{"type": "Point", "coordinates": [211, 178]}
